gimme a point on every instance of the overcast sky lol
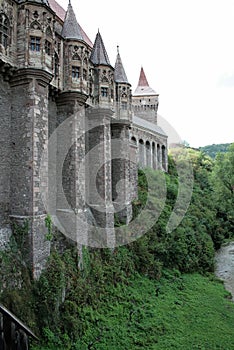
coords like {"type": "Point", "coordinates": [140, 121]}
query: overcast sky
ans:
{"type": "Point", "coordinates": [186, 48]}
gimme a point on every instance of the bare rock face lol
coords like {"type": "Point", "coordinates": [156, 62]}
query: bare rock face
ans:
{"type": "Point", "coordinates": [225, 266]}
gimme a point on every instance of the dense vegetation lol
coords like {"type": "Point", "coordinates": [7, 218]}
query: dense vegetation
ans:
{"type": "Point", "coordinates": [144, 295]}
{"type": "Point", "coordinates": [213, 150]}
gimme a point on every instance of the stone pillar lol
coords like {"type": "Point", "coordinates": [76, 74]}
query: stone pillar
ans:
{"type": "Point", "coordinates": [5, 149]}
{"type": "Point", "coordinates": [29, 135]}
{"type": "Point", "coordinates": [133, 169]}
{"type": "Point", "coordinates": [159, 157]}
{"type": "Point", "coordinates": [70, 209]}
{"type": "Point", "coordinates": [154, 156]}
{"type": "Point", "coordinates": [99, 174]}
{"type": "Point", "coordinates": [148, 150]}
{"type": "Point", "coordinates": [121, 191]}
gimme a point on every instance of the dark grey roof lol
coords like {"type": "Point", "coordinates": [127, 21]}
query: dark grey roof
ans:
{"type": "Point", "coordinates": [71, 28]}
{"type": "Point", "coordinates": [120, 75]}
{"type": "Point", "coordinates": [38, 1]}
{"type": "Point", "coordinates": [99, 54]}
{"type": "Point", "coordinates": [142, 123]}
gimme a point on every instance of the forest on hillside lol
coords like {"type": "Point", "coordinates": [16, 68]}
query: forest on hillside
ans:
{"type": "Point", "coordinates": [213, 150]}
{"type": "Point", "coordinates": [157, 292]}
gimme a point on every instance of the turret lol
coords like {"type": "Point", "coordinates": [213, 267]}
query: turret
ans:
{"type": "Point", "coordinates": [123, 90]}
{"type": "Point", "coordinates": [145, 100]}
{"type": "Point", "coordinates": [104, 91]}
{"type": "Point", "coordinates": [77, 49]}
{"type": "Point", "coordinates": [35, 35]}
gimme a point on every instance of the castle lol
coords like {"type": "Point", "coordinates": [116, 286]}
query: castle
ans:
{"type": "Point", "coordinates": [51, 73]}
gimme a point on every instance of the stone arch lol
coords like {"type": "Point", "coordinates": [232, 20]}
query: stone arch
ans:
{"type": "Point", "coordinates": [148, 154]}
{"type": "Point", "coordinates": [141, 153]}
{"type": "Point", "coordinates": [49, 32]}
{"type": "Point", "coordinates": [35, 25]}
{"type": "Point", "coordinates": [134, 141]}
{"type": "Point", "coordinates": [76, 57]}
{"type": "Point", "coordinates": [105, 80]}
{"type": "Point", "coordinates": [56, 65]}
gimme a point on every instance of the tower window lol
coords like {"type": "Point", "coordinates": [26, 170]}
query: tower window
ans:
{"type": "Point", "coordinates": [56, 65]}
{"type": "Point", "coordinates": [35, 43]}
{"type": "Point", "coordinates": [84, 74]}
{"type": "Point", "coordinates": [75, 72]}
{"type": "Point", "coordinates": [124, 106]}
{"type": "Point", "coordinates": [104, 91]}
{"type": "Point", "coordinates": [48, 47]}
{"type": "Point", "coordinates": [4, 30]}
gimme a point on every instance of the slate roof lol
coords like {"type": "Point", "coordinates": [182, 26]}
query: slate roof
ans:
{"type": "Point", "coordinates": [38, 1]}
{"type": "Point", "coordinates": [120, 75]}
{"type": "Point", "coordinates": [147, 125]}
{"type": "Point", "coordinates": [143, 88]}
{"type": "Point", "coordinates": [99, 54]}
{"type": "Point", "coordinates": [71, 28]}
{"type": "Point", "coordinates": [59, 10]}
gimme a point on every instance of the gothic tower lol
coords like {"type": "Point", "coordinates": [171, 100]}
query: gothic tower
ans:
{"type": "Point", "coordinates": [145, 100]}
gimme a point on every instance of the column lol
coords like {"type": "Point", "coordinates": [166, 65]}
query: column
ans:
{"type": "Point", "coordinates": [98, 166]}
{"type": "Point", "coordinates": [29, 135]}
{"type": "Point", "coordinates": [121, 191]}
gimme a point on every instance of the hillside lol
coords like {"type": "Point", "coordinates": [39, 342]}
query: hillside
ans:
{"type": "Point", "coordinates": [212, 150]}
{"type": "Point", "coordinates": [158, 292]}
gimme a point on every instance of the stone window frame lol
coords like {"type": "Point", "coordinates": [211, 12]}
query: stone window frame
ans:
{"type": "Point", "coordinates": [124, 105]}
{"type": "Point", "coordinates": [104, 91]}
{"type": "Point", "coordinates": [85, 74]}
{"type": "Point", "coordinates": [48, 47]}
{"type": "Point", "coordinates": [75, 72]}
{"type": "Point", "coordinates": [56, 64]}
{"type": "Point", "coordinates": [4, 30]}
{"type": "Point", "coordinates": [35, 43]}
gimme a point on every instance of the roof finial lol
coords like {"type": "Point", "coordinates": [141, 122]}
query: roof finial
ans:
{"type": "Point", "coordinates": [69, 2]}
{"type": "Point", "coordinates": [117, 48]}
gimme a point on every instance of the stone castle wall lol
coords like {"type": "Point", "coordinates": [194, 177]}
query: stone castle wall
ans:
{"type": "Point", "coordinates": [39, 93]}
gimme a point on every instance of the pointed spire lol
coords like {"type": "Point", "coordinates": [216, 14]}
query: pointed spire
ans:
{"type": "Point", "coordinates": [120, 75]}
{"type": "Point", "coordinates": [71, 28]}
{"type": "Point", "coordinates": [143, 87]}
{"type": "Point", "coordinates": [99, 54]}
{"type": "Point", "coordinates": [142, 79]}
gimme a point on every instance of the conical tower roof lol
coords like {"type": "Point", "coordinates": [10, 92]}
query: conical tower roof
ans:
{"type": "Point", "coordinates": [143, 87]}
{"type": "Point", "coordinates": [120, 75]}
{"type": "Point", "coordinates": [99, 54]}
{"type": "Point", "coordinates": [71, 28]}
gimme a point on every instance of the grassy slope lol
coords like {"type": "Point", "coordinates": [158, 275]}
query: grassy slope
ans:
{"type": "Point", "coordinates": [189, 312]}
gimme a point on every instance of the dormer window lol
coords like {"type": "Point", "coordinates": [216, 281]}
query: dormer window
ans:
{"type": "Point", "coordinates": [75, 72]}
{"type": "Point", "coordinates": [47, 47]}
{"type": "Point", "coordinates": [4, 30]}
{"type": "Point", "coordinates": [35, 43]}
{"type": "Point", "coordinates": [104, 91]}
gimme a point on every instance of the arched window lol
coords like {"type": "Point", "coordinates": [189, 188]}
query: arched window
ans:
{"type": "Point", "coordinates": [148, 154]}
{"type": "Point", "coordinates": [141, 154]}
{"type": "Point", "coordinates": [4, 30]}
{"type": "Point", "coordinates": [56, 65]}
